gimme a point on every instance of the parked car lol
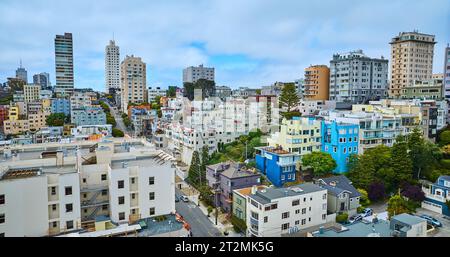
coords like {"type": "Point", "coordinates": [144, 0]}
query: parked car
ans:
{"type": "Point", "coordinates": [367, 212]}
{"type": "Point", "coordinates": [184, 198]}
{"type": "Point", "coordinates": [431, 221]}
{"type": "Point", "coordinates": [355, 218]}
{"type": "Point", "coordinates": [177, 199]}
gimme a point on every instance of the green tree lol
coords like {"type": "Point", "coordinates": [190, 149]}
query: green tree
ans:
{"type": "Point", "coordinates": [444, 138]}
{"type": "Point", "coordinates": [205, 157]}
{"type": "Point", "coordinates": [258, 91]}
{"type": "Point", "coordinates": [402, 165]}
{"type": "Point", "coordinates": [55, 119]}
{"type": "Point", "coordinates": [194, 173]}
{"type": "Point", "coordinates": [321, 163]}
{"type": "Point", "coordinates": [172, 91]}
{"type": "Point", "coordinates": [117, 132]}
{"type": "Point", "coordinates": [364, 199]}
{"type": "Point", "coordinates": [365, 168]}
{"type": "Point", "coordinates": [289, 97]}
{"type": "Point", "coordinates": [397, 205]}
{"type": "Point", "coordinates": [424, 154]}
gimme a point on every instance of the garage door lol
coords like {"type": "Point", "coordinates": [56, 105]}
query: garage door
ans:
{"type": "Point", "coordinates": [432, 207]}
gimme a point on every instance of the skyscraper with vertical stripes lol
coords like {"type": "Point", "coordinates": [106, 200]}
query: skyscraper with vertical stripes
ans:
{"type": "Point", "coordinates": [64, 64]}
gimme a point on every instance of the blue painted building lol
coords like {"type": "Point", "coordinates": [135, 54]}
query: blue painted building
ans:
{"type": "Point", "coordinates": [61, 105]}
{"type": "Point", "coordinates": [437, 195]}
{"type": "Point", "coordinates": [278, 165]}
{"type": "Point", "coordinates": [340, 140]}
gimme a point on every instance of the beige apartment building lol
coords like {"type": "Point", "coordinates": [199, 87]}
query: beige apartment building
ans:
{"type": "Point", "coordinates": [31, 93]}
{"type": "Point", "coordinates": [411, 60]}
{"type": "Point", "coordinates": [133, 81]}
{"type": "Point", "coordinates": [317, 82]}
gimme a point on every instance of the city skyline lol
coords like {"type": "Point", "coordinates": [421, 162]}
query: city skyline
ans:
{"type": "Point", "coordinates": [249, 44]}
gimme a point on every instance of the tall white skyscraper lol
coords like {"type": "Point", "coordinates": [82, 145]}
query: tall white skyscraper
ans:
{"type": "Point", "coordinates": [112, 66]}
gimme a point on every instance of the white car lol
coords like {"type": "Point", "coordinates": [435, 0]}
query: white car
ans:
{"type": "Point", "coordinates": [184, 198]}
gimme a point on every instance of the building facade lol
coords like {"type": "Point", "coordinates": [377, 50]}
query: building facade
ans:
{"type": "Point", "coordinates": [411, 59]}
{"type": "Point", "coordinates": [437, 195]}
{"type": "Point", "coordinates": [133, 77]}
{"type": "Point", "coordinates": [192, 74]}
{"type": "Point", "coordinates": [424, 89]}
{"type": "Point", "coordinates": [340, 140]}
{"type": "Point", "coordinates": [88, 116]}
{"type": "Point", "coordinates": [447, 72]}
{"type": "Point", "coordinates": [300, 135]}
{"type": "Point", "coordinates": [112, 66]}
{"type": "Point", "coordinates": [61, 105]}
{"type": "Point", "coordinates": [279, 166]}
{"type": "Point", "coordinates": [64, 64]}
{"type": "Point", "coordinates": [225, 177]}
{"type": "Point", "coordinates": [273, 212]}
{"type": "Point", "coordinates": [68, 189]}
{"type": "Point", "coordinates": [31, 93]}
{"type": "Point", "coordinates": [316, 84]}
{"type": "Point", "coordinates": [42, 79]}
{"type": "Point", "coordinates": [357, 78]}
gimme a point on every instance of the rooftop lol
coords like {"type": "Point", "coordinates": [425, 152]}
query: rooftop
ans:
{"type": "Point", "coordinates": [274, 150]}
{"type": "Point", "coordinates": [267, 195]}
{"type": "Point", "coordinates": [170, 224]}
{"type": "Point", "coordinates": [339, 184]}
{"type": "Point", "coordinates": [358, 229]}
{"type": "Point", "coordinates": [408, 219]}
{"type": "Point", "coordinates": [248, 190]}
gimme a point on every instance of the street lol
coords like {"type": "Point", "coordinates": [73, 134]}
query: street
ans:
{"type": "Point", "coordinates": [119, 121]}
{"type": "Point", "coordinates": [201, 226]}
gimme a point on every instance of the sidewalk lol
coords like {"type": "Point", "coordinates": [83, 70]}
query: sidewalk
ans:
{"type": "Point", "coordinates": [220, 226]}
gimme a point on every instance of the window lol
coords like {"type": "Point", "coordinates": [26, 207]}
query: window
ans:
{"type": "Point", "coordinates": [285, 226]}
{"type": "Point", "coordinates": [151, 196]}
{"type": "Point", "coordinates": [324, 206]}
{"type": "Point", "coordinates": [53, 207]}
{"type": "Point", "coordinates": [303, 210]}
{"type": "Point", "coordinates": [121, 215]}
{"type": "Point", "coordinates": [266, 219]}
{"type": "Point", "coordinates": [295, 202]}
{"type": "Point", "coordinates": [104, 207]}
{"type": "Point", "coordinates": [254, 215]}
{"type": "Point", "coordinates": [285, 215]}
{"type": "Point", "coordinates": [68, 190]}
{"type": "Point", "coordinates": [133, 180]}
{"type": "Point", "coordinates": [103, 177]}
{"type": "Point", "coordinates": [121, 199]}
{"type": "Point", "coordinates": [324, 196]}
{"type": "Point", "coordinates": [104, 192]}
{"type": "Point", "coordinates": [151, 180]}
{"type": "Point", "coordinates": [69, 224]}
{"type": "Point", "coordinates": [54, 224]}
{"type": "Point", "coordinates": [2, 199]}
{"type": "Point", "coordinates": [303, 221]}
{"type": "Point", "coordinates": [120, 184]}
{"type": "Point", "coordinates": [324, 216]}
{"type": "Point", "coordinates": [69, 207]}
{"type": "Point", "coordinates": [2, 218]}
{"type": "Point", "coordinates": [152, 211]}
{"type": "Point", "coordinates": [297, 211]}
{"type": "Point", "coordinates": [297, 222]}
{"type": "Point", "coordinates": [84, 180]}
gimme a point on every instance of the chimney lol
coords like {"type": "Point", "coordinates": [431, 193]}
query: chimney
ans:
{"type": "Point", "coordinates": [254, 188]}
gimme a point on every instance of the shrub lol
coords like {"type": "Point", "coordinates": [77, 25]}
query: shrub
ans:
{"type": "Point", "coordinates": [238, 224]}
{"type": "Point", "coordinates": [360, 209]}
{"type": "Point", "coordinates": [342, 218]}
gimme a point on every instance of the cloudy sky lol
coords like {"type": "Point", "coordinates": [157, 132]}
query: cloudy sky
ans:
{"type": "Point", "coordinates": [249, 42]}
